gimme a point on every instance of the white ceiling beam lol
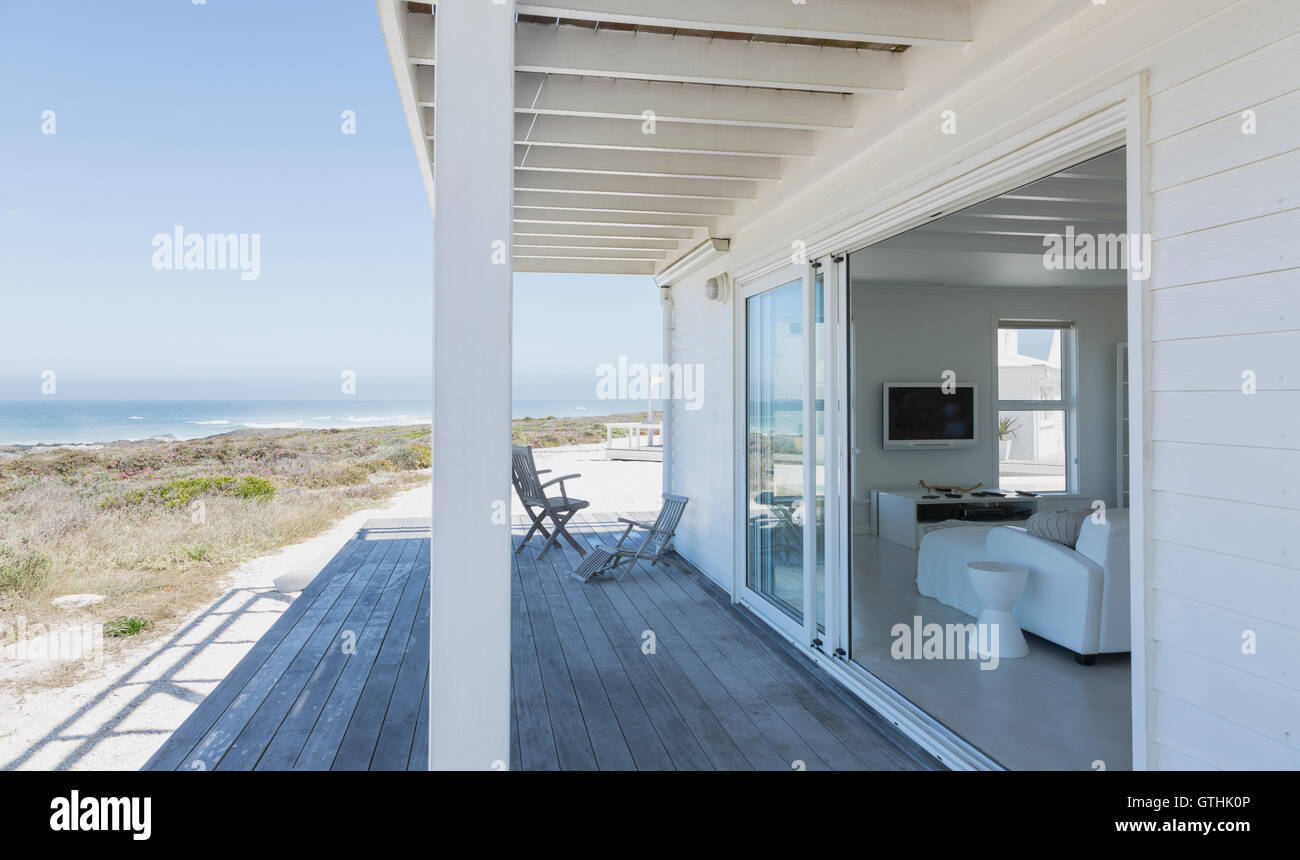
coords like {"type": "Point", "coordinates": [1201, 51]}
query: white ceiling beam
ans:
{"type": "Point", "coordinates": [1102, 169]}
{"type": "Point", "coordinates": [584, 267]}
{"type": "Point", "coordinates": [977, 226]}
{"type": "Point", "coordinates": [609, 98]}
{"type": "Point", "coordinates": [639, 135]}
{"type": "Point", "coordinates": [616, 243]}
{"type": "Point", "coordinates": [614, 203]}
{"type": "Point", "coordinates": [538, 215]}
{"type": "Point", "coordinates": [1070, 191]}
{"type": "Point", "coordinates": [621, 231]}
{"type": "Point", "coordinates": [524, 251]}
{"type": "Point", "coordinates": [1044, 210]}
{"type": "Point", "coordinates": [647, 163]}
{"type": "Point", "coordinates": [671, 105]}
{"type": "Point", "coordinates": [594, 183]}
{"type": "Point", "coordinates": [905, 22]}
{"type": "Point", "coordinates": [936, 240]}
{"type": "Point", "coordinates": [642, 56]}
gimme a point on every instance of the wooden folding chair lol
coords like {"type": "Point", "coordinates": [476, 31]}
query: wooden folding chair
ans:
{"type": "Point", "coordinates": [532, 495]}
{"type": "Point", "coordinates": [652, 546]}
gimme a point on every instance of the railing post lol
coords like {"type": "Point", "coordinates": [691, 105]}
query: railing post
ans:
{"type": "Point", "coordinates": [469, 663]}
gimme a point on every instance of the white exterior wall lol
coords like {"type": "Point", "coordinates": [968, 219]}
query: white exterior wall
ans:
{"type": "Point", "coordinates": [702, 463]}
{"type": "Point", "coordinates": [1223, 521]}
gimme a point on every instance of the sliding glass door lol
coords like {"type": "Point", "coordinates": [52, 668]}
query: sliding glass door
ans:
{"type": "Point", "coordinates": [790, 455]}
{"type": "Point", "coordinates": [774, 431]}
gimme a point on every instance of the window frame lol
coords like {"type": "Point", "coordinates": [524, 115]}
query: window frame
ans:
{"type": "Point", "coordinates": [1068, 402]}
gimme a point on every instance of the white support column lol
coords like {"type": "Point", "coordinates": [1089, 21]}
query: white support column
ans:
{"type": "Point", "coordinates": [469, 663]}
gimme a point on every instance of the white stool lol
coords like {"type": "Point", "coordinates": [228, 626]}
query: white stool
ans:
{"type": "Point", "coordinates": [998, 585]}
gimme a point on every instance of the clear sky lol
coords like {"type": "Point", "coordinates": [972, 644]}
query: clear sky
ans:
{"type": "Point", "coordinates": [226, 117]}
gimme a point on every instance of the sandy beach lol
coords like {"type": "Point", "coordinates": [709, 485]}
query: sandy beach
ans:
{"type": "Point", "coordinates": [117, 714]}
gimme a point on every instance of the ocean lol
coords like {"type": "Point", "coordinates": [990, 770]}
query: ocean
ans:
{"type": "Point", "coordinates": [54, 421]}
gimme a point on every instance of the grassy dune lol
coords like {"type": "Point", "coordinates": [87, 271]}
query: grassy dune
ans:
{"type": "Point", "coordinates": [154, 526]}
{"type": "Point", "coordinates": [554, 432]}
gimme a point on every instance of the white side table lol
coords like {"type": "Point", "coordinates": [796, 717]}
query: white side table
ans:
{"type": "Point", "coordinates": [998, 585]}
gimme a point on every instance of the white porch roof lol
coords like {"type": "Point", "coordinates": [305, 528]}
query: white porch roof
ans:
{"type": "Point", "coordinates": [642, 129]}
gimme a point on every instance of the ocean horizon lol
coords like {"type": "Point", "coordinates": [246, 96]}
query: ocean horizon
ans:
{"type": "Point", "coordinates": [74, 422]}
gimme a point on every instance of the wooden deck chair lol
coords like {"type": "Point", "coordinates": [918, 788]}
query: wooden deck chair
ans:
{"type": "Point", "coordinates": [788, 533]}
{"type": "Point", "coordinates": [532, 495]}
{"type": "Point", "coordinates": [658, 536]}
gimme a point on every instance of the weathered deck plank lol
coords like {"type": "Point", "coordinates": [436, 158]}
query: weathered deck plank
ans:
{"type": "Point", "coordinates": [717, 690]}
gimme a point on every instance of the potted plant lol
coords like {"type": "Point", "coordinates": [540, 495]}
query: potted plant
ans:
{"type": "Point", "coordinates": [1007, 428]}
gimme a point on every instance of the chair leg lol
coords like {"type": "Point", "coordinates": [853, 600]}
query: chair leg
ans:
{"type": "Point", "coordinates": [537, 526]}
{"type": "Point", "coordinates": [620, 561]}
{"type": "Point", "coordinates": [558, 522]}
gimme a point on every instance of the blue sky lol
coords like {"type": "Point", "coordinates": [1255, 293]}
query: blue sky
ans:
{"type": "Point", "coordinates": [226, 118]}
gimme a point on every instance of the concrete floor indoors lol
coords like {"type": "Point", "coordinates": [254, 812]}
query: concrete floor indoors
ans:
{"type": "Point", "coordinates": [1043, 711]}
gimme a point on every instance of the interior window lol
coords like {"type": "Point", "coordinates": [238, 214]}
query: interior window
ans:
{"type": "Point", "coordinates": [1034, 406]}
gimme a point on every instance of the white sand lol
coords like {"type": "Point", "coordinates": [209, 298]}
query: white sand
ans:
{"type": "Point", "coordinates": [120, 712]}
{"type": "Point", "coordinates": [610, 485]}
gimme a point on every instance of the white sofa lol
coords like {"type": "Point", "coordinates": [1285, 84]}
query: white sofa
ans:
{"type": "Point", "coordinates": [1077, 598]}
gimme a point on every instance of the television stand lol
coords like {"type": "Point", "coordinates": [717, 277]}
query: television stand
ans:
{"type": "Point", "coordinates": [904, 516]}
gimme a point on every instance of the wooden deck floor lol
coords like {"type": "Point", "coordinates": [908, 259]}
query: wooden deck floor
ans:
{"type": "Point", "coordinates": [339, 682]}
{"type": "Point", "coordinates": [659, 672]}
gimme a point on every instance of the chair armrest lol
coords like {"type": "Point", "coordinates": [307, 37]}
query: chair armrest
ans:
{"type": "Point", "coordinates": [636, 523]}
{"type": "Point", "coordinates": [542, 471]}
{"type": "Point", "coordinates": [563, 492]}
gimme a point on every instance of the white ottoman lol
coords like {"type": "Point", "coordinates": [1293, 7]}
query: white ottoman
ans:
{"type": "Point", "coordinates": [941, 566]}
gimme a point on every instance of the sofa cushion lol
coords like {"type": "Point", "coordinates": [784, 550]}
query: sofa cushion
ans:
{"type": "Point", "coordinates": [1058, 526]}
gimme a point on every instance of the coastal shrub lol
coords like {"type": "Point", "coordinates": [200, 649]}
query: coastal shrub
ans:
{"type": "Point", "coordinates": [402, 457]}
{"type": "Point", "coordinates": [423, 456]}
{"type": "Point", "coordinates": [22, 571]}
{"type": "Point", "coordinates": [61, 463]}
{"type": "Point", "coordinates": [126, 625]}
{"type": "Point", "coordinates": [179, 492]}
{"type": "Point", "coordinates": [337, 475]}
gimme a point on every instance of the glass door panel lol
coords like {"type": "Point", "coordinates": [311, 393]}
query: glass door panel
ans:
{"type": "Point", "coordinates": [819, 448]}
{"type": "Point", "coordinates": [775, 439]}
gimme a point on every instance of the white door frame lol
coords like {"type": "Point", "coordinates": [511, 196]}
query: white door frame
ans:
{"type": "Point", "coordinates": [793, 630]}
{"type": "Point", "coordinates": [1112, 117]}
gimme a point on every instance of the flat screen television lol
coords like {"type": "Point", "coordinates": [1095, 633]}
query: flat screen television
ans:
{"type": "Point", "coordinates": [922, 415]}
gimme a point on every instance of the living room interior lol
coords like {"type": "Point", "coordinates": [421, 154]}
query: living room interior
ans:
{"type": "Point", "coordinates": [988, 472]}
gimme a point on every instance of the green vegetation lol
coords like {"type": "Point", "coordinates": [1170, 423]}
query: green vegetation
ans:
{"type": "Point", "coordinates": [22, 571]}
{"type": "Point", "coordinates": [553, 432]}
{"type": "Point", "coordinates": [180, 492]}
{"type": "Point", "coordinates": [120, 519]}
{"type": "Point", "coordinates": [127, 625]}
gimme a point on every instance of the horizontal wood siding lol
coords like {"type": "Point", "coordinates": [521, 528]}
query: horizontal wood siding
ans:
{"type": "Point", "coordinates": [1225, 312]}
